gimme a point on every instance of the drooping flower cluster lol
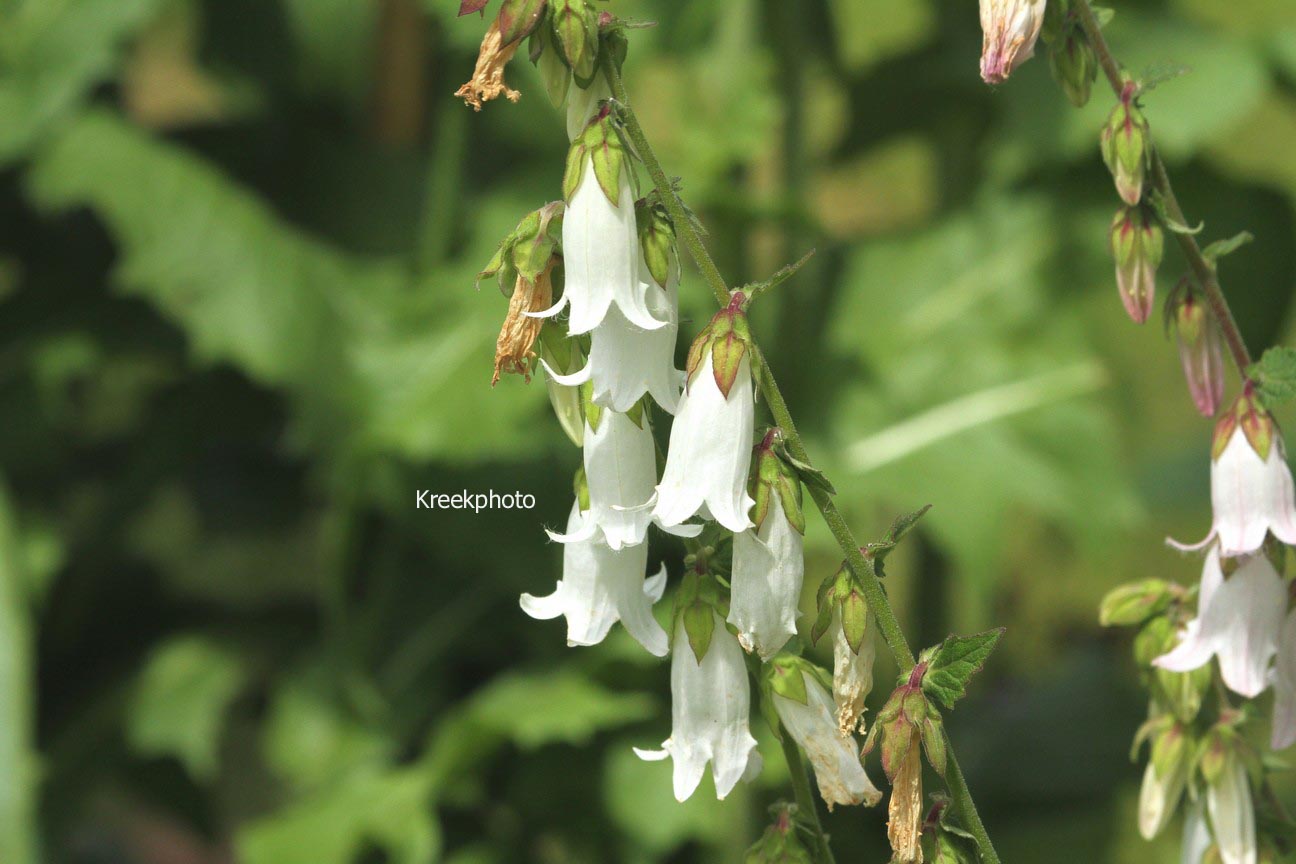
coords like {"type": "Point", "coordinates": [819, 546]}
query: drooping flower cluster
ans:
{"type": "Point", "coordinates": [594, 303]}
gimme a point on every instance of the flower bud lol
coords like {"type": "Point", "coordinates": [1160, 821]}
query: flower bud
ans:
{"type": "Point", "coordinates": [575, 26]}
{"type": "Point", "coordinates": [1124, 146]}
{"type": "Point", "coordinates": [1164, 780]}
{"type": "Point", "coordinates": [1135, 603]}
{"type": "Point", "coordinates": [1200, 353]}
{"type": "Point", "coordinates": [1009, 29]}
{"type": "Point", "coordinates": [1137, 244]}
{"type": "Point", "coordinates": [781, 843]}
{"type": "Point", "coordinates": [1074, 65]}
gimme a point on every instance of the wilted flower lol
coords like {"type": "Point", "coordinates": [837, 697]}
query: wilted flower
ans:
{"type": "Point", "coordinates": [599, 587]}
{"type": "Point", "coordinates": [1284, 684]}
{"type": "Point", "coordinates": [519, 332]}
{"type": "Point", "coordinates": [487, 81]}
{"type": "Point", "coordinates": [812, 723]}
{"type": "Point", "coordinates": [852, 673]}
{"type": "Point", "coordinates": [710, 706]}
{"type": "Point", "coordinates": [1137, 244]}
{"type": "Point", "coordinates": [1009, 29]}
{"type": "Point", "coordinates": [1200, 353]}
{"type": "Point", "coordinates": [1251, 484]}
{"type": "Point", "coordinates": [626, 361]}
{"type": "Point", "coordinates": [905, 809]}
{"type": "Point", "coordinates": [1238, 620]}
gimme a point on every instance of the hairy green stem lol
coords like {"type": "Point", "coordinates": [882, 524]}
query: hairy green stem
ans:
{"type": "Point", "coordinates": [1201, 267]}
{"type": "Point", "coordinates": [862, 567]}
{"type": "Point", "coordinates": [804, 798]}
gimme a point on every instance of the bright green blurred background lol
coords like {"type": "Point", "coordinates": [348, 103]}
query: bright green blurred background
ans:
{"type": "Point", "coordinates": [238, 331]}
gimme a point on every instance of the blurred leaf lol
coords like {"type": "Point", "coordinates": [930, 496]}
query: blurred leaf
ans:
{"type": "Point", "coordinates": [390, 808]}
{"type": "Point", "coordinates": [641, 803]}
{"type": "Point", "coordinates": [17, 718]}
{"type": "Point", "coordinates": [1275, 375]}
{"type": "Point", "coordinates": [868, 31]}
{"type": "Point", "coordinates": [179, 703]}
{"type": "Point", "coordinates": [51, 54]}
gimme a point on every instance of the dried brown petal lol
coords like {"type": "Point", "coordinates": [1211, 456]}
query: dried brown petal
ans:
{"type": "Point", "coordinates": [905, 810]}
{"type": "Point", "coordinates": [513, 347]}
{"type": "Point", "coordinates": [487, 81]}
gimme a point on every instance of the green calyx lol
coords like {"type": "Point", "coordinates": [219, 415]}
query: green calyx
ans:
{"type": "Point", "coordinates": [726, 338]}
{"type": "Point", "coordinates": [1136, 239]}
{"type": "Point", "coordinates": [518, 18]}
{"type": "Point", "coordinates": [1180, 694]}
{"type": "Point", "coordinates": [580, 486]}
{"type": "Point", "coordinates": [656, 239]}
{"type": "Point", "coordinates": [576, 36]}
{"type": "Point", "coordinates": [604, 147]}
{"type": "Point", "coordinates": [549, 61]}
{"type": "Point", "coordinates": [1071, 57]}
{"type": "Point", "coordinates": [784, 675]}
{"type": "Point", "coordinates": [697, 605]}
{"type": "Point", "coordinates": [1248, 414]}
{"type": "Point", "coordinates": [842, 593]}
{"type": "Point", "coordinates": [527, 249]}
{"type": "Point", "coordinates": [771, 478]}
{"type": "Point", "coordinates": [1125, 145]}
{"type": "Point", "coordinates": [1136, 602]}
{"type": "Point", "coordinates": [905, 721]}
{"type": "Point", "coordinates": [781, 843]}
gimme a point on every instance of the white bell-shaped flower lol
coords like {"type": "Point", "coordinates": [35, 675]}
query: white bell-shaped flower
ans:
{"type": "Point", "coordinates": [599, 587]}
{"type": "Point", "coordinates": [1228, 800]}
{"type": "Point", "coordinates": [833, 756]}
{"type": "Point", "coordinates": [710, 452]}
{"type": "Point", "coordinates": [1250, 496]}
{"type": "Point", "coordinates": [1159, 796]}
{"type": "Point", "coordinates": [1196, 835]}
{"type": "Point", "coordinates": [621, 471]}
{"type": "Point", "coordinates": [1284, 684]}
{"type": "Point", "coordinates": [626, 361]}
{"type": "Point", "coordinates": [768, 567]}
{"type": "Point", "coordinates": [852, 673]}
{"type": "Point", "coordinates": [1238, 620]}
{"type": "Point", "coordinates": [601, 258]}
{"type": "Point", "coordinates": [710, 707]}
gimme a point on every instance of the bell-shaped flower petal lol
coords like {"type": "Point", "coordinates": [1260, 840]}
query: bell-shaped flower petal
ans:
{"type": "Point", "coordinates": [1238, 620]}
{"type": "Point", "coordinates": [1284, 684]}
{"type": "Point", "coordinates": [1009, 29]}
{"type": "Point", "coordinates": [601, 258]}
{"type": "Point", "coordinates": [583, 104]}
{"type": "Point", "coordinates": [1250, 496]}
{"type": "Point", "coordinates": [710, 452]}
{"type": "Point", "coordinates": [621, 470]}
{"type": "Point", "coordinates": [1159, 797]}
{"type": "Point", "coordinates": [1232, 814]}
{"type": "Point", "coordinates": [833, 756]}
{"type": "Point", "coordinates": [710, 707]}
{"type": "Point", "coordinates": [768, 567]}
{"type": "Point", "coordinates": [852, 673]}
{"type": "Point", "coordinates": [599, 587]}
{"type": "Point", "coordinates": [626, 361]}
{"type": "Point", "coordinates": [1196, 835]}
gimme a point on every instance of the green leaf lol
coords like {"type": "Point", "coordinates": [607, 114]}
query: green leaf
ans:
{"type": "Point", "coordinates": [1220, 248]}
{"type": "Point", "coordinates": [955, 662]}
{"type": "Point", "coordinates": [1275, 375]}
{"type": "Point", "coordinates": [179, 704]}
{"type": "Point", "coordinates": [554, 707]}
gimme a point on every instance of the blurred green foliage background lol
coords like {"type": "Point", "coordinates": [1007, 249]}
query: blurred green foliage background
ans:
{"type": "Point", "coordinates": [238, 331]}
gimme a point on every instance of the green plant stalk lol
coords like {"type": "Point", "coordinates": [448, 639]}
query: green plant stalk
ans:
{"type": "Point", "coordinates": [1202, 268]}
{"type": "Point", "coordinates": [862, 567]}
{"type": "Point", "coordinates": [804, 797]}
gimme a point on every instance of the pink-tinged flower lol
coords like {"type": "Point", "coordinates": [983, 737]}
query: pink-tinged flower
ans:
{"type": "Point", "coordinates": [1238, 620]}
{"type": "Point", "coordinates": [1009, 29]}
{"type": "Point", "coordinates": [1251, 485]}
{"type": "Point", "coordinates": [1201, 353]}
{"type": "Point", "coordinates": [1137, 245]}
{"type": "Point", "coordinates": [599, 587]}
{"type": "Point", "coordinates": [710, 707]}
{"type": "Point", "coordinates": [1284, 684]}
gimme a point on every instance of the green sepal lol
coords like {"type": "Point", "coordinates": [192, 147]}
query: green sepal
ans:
{"type": "Point", "coordinates": [604, 146]}
{"type": "Point", "coordinates": [789, 492]}
{"type": "Point", "coordinates": [698, 621]}
{"type": "Point", "coordinates": [635, 413]}
{"type": "Point", "coordinates": [696, 352]}
{"type": "Point", "coordinates": [575, 169]}
{"type": "Point", "coordinates": [781, 843]}
{"type": "Point", "coordinates": [518, 18]}
{"type": "Point", "coordinates": [760, 493]}
{"type": "Point", "coordinates": [527, 249]}
{"type": "Point", "coordinates": [549, 62]}
{"type": "Point", "coordinates": [1256, 424]}
{"type": "Point", "coordinates": [955, 662]}
{"type": "Point", "coordinates": [575, 25]}
{"type": "Point", "coordinates": [1135, 603]}
{"type": "Point", "coordinates": [593, 411]}
{"type": "Point", "coordinates": [786, 678]}
{"type": "Point", "coordinates": [657, 240]}
{"type": "Point", "coordinates": [897, 740]}
{"type": "Point", "coordinates": [1171, 750]}
{"type": "Point", "coordinates": [1213, 754]}
{"type": "Point", "coordinates": [580, 487]}
{"type": "Point", "coordinates": [728, 347]}
{"type": "Point", "coordinates": [824, 606]}
{"type": "Point", "coordinates": [933, 739]}
{"type": "Point", "coordinates": [854, 619]}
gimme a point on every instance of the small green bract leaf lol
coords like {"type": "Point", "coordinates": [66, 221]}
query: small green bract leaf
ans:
{"type": "Point", "coordinates": [1275, 375]}
{"type": "Point", "coordinates": [699, 624]}
{"type": "Point", "coordinates": [957, 660]}
{"type": "Point", "coordinates": [1220, 248]}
